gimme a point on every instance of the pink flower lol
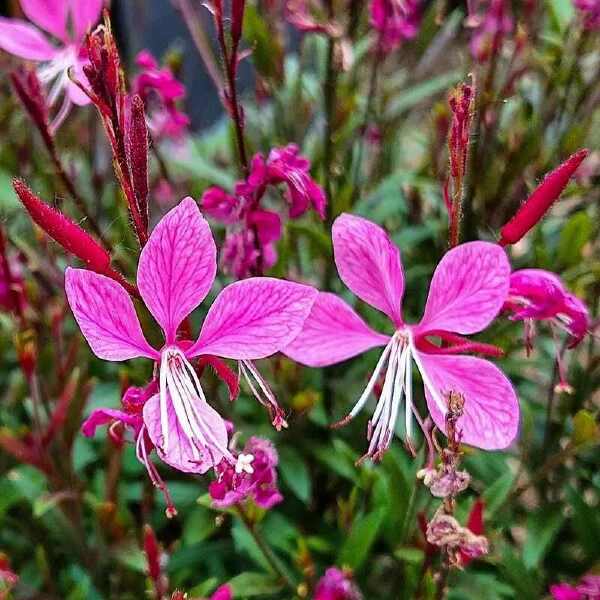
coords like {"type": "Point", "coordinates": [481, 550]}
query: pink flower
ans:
{"type": "Point", "coordinates": [301, 15]}
{"type": "Point", "coordinates": [336, 585]}
{"type": "Point", "coordinates": [538, 295]}
{"type": "Point", "coordinates": [248, 320]}
{"type": "Point", "coordinates": [56, 57]}
{"type": "Point", "coordinates": [468, 288]}
{"type": "Point", "coordinates": [224, 592]}
{"type": "Point", "coordinates": [590, 10]}
{"type": "Point", "coordinates": [250, 246]}
{"type": "Point", "coordinates": [160, 91]}
{"type": "Point", "coordinates": [587, 589]}
{"type": "Point", "coordinates": [492, 27]}
{"type": "Point", "coordinates": [254, 476]}
{"type": "Point", "coordinates": [395, 21]}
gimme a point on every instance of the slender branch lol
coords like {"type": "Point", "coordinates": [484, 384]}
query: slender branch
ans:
{"type": "Point", "coordinates": [264, 547]}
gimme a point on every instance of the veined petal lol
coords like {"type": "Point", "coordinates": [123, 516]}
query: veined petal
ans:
{"type": "Point", "coordinates": [181, 453]}
{"type": "Point", "coordinates": [254, 318]}
{"type": "Point", "coordinates": [467, 290]}
{"type": "Point", "coordinates": [490, 417]}
{"type": "Point", "coordinates": [177, 266]}
{"type": "Point", "coordinates": [105, 314]}
{"type": "Point", "coordinates": [22, 39]}
{"type": "Point", "coordinates": [85, 14]}
{"type": "Point", "coordinates": [50, 15]}
{"type": "Point", "coordinates": [369, 264]}
{"type": "Point", "coordinates": [332, 332]}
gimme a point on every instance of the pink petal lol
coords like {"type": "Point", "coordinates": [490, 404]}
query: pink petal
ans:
{"type": "Point", "coordinates": [254, 318]}
{"type": "Point", "coordinates": [177, 266]}
{"type": "Point", "coordinates": [491, 412]}
{"type": "Point", "coordinates": [75, 94]}
{"type": "Point", "coordinates": [50, 15]}
{"type": "Point", "coordinates": [332, 332]}
{"type": "Point", "coordinates": [369, 264]}
{"type": "Point", "coordinates": [104, 416]}
{"type": "Point", "coordinates": [85, 14]}
{"type": "Point", "coordinates": [181, 454]}
{"type": "Point", "coordinates": [21, 39]}
{"type": "Point", "coordinates": [468, 289]}
{"type": "Point", "coordinates": [105, 314]}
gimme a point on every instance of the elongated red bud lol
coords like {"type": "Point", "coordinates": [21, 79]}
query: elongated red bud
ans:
{"type": "Point", "coordinates": [64, 231]}
{"type": "Point", "coordinates": [152, 552]}
{"type": "Point", "coordinates": [137, 156]}
{"type": "Point", "coordinates": [540, 201]}
{"type": "Point", "coordinates": [237, 19]}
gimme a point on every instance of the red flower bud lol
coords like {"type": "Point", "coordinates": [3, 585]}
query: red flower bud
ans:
{"type": "Point", "coordinates": [540, 201]}
{"type": "Point", "coordinates": [64, 231]}
{"type": "Point", "coordinates": [152, 552]}
{"type": "Point", "coordinates": [137, 155]}
{"type": "Point", "coordinates": [237, 20]}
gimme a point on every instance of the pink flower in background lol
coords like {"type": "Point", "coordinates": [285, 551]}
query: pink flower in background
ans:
{"type": "Point", "coordinates": [301, 15]}
{"type": "Point", "coordinates": [250, 246]}
{"type": "Point", "coordinates": [224, 592]}
{"type": "Point", "coordinates": [336, 585]}
{"type": "Point", "coordinates": [254, 476]}
{"type": "Point", "coordinates": [538, 295]}
{"type": "Point", "coordinates": [468, 289]}
{"type": "Point", "coordinates": [587, 589]}
{"type": "Point", "coordinates": [248, 320]}
{"type": "Point", "coordinates": [395, 21]}
{"type": "Point", "coordinates": [67, 22]}
{"type": "Point", "coordinates": [160, 91]}
{"type": "Point", "coordinates": [590, 10]}
{"type": "Point", "coordinates": [491, 29]}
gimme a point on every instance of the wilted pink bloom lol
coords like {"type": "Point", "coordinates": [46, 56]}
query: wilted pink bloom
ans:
{"type": "Point", "coordinates": [538, 295]}
{"type": "Point", "coordinates": [8, 578]}
{"type": "Point", "coordinates": [248, 320]}
{"type": "Point", "coordinates": [336, 585]}
{"type": "Point", "coordinates": [590, 10]}
{"type": "Point", "coordinates": [161, 92]}
{"type": "Point", "coordinates": [587, 589]}
{"type": "Point", "coordinates": [254, 476]}
{"type": "Point", "coordinates": [493, 26]}
{"type": "Point", "coordinates": [469, 287]}
{"type": "Point", "coordinates": [395, 21]}
{"type": "Point", "coordinates": [63, 50]}
{"type": "Point", "coordinates": [309, 16]}
{"type": "Point", "coordinates": [250, 246]}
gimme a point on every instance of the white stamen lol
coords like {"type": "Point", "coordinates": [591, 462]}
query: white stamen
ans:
{"type": "Point", "coordinates": [426, 380]}
{"type": "Point", "coordinates": [408, 422]}
{"type": "Point", "coordinates": [244, 464]}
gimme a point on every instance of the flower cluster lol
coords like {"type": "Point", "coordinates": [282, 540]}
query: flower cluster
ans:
{"type": "Point", "coordinates": [395, 21]}
{"type": "Point", "coordinates": [253, 476]}
{"type": "Point", "coordinates": [250, 246]}
{"type": "Point", "coordinates": [161, 93]}
{"type": "Point", "coordinates": [590, 11]}
{"type": "Point", "coordinates": [490, 30]}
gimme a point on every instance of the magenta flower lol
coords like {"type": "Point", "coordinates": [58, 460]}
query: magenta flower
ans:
{"type": "Point", "coordinates": [395, 21]}
{"type": "Point", "coordinates": [538, 295]}
{"type": "Point", "coordinates": [161, 92]}
{"type": "Point", "coordinates": [223, 592]}
{"type": "Point", "coordinates": [491, 29]}
{"type": "Point", "coordinates": [590, 11]}
{"type": "Point", "coordinates": [67, 51]}
{"type": "Point", "coordinates": [254, 476]}
{"type": "Point", "coordinates": [468, 288]}
{"type": "Point", "coordinates": [336, 585]}
{"type": "Point", "coordinates": [587, 589]}
{"type": "Point", "coordinates": [248, 320]}
{"type": "Point", "coordinates": [250, 246]}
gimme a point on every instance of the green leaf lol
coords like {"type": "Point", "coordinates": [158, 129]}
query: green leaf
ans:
{"type": "Point", "coordinates": [362, 536]}
{"type": "Point", "coordinates": [574, 236]}
{"type": "Point", "coordinates": [562, 12]}
{"type": "Point", "coordinates": [249, 584]}
{"type": "Point", "coordinates": [542, 528]}
{"type": "Point", "coordinates": [495, 495]}
{"type": "Point", "coordinates": [585, 428]}
{"type": "Point", "coordinates": [295, 473]}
